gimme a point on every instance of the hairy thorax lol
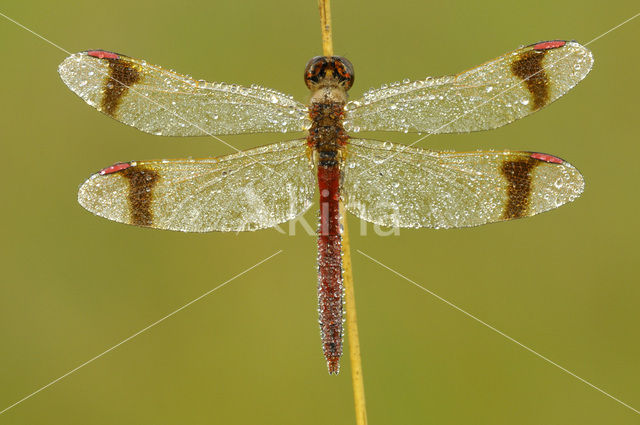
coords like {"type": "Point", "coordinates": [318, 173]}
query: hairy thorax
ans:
{"type": "Point", "coordinates": [328, 79]}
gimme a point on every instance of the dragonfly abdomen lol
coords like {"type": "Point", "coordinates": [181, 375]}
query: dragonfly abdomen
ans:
{"type": "Point", "coordinates": [328, 138]}
{"type": "Point", "coordinates": [330, 288]}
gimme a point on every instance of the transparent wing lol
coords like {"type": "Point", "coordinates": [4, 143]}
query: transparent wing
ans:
{"type": "Point", "coordinates": [488, 96]}
{"type": "Point", "coordinates": [396, 185]}
{"type": "Point", "coordinates": [250, 190]}
{"type": "Point", "coordinates": [165, 103]}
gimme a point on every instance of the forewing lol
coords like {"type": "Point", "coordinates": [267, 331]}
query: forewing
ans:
{"type": "Point", "coordinates": [166, 103]}
{"type": "Point", "coordinates": [249, 190]}
{"type": "Point", "coordinates": [396, 185]}
{"type": "Point", "coordinates": [488, 96]}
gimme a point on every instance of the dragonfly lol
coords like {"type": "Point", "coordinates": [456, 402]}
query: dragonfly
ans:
{"type": "Point", "coordinates": [378, 181]}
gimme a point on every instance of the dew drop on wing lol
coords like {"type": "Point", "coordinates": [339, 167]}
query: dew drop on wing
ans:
{"type": "Point", "coordinates": [559, 183]}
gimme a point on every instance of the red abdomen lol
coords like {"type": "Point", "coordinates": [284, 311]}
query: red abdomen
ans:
{"type": "Point", "coordinates": [330, 289]}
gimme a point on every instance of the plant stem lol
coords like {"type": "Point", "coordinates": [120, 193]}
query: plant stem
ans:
{"type": "Point", "coordinates": [325, 21]}
{"type": "Point", "coordinates": [347, 273]}
{"type": "Point", "coordinates": [352, 325]}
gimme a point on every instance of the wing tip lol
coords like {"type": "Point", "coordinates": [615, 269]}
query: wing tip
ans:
{"type": "Point", "coordinates": [62, 67]}
{"type": "Point", "coordinates": [576, 53]}
{"type": "Point", "coordinates": [561, 44]}
{"type": "Point", "coordinates": [586, 53]}
{"type": "Point", "coordinates": [83, 195]}
{"type": "Point", "coordinates": [93, 53]}
{"type": "Point", "coordinates": [577, 178]}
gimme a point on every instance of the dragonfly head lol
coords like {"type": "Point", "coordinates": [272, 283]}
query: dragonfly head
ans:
{"type": "Point", "coordinates": [328, 71]}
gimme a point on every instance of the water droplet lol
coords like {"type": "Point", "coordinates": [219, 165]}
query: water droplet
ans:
{"type": "Point", "coordinates": [559, 183]}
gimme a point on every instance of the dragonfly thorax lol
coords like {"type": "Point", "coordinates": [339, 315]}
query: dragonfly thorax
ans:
{"type": "Point", "coordinates": [328, 78]}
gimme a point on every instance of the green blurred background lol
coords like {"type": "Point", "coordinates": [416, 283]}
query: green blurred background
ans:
{"type": "Point", "coordinates": [564, 283]}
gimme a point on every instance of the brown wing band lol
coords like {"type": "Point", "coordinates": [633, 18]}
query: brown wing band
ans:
{"type": "Point", "coordinates": [122, 75]}
{"type": "Point", "coordinates": [518, 175]}
{"type": "Point", "coordinates": [528, 67]}
{"type": "Point", "coordinates": [141, 183]}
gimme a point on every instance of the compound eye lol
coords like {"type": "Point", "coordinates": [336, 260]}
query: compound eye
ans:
{"type": "Point", "coordinates": [344, 69]}
{"type": "Point", "coordinates": [313, 69]}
